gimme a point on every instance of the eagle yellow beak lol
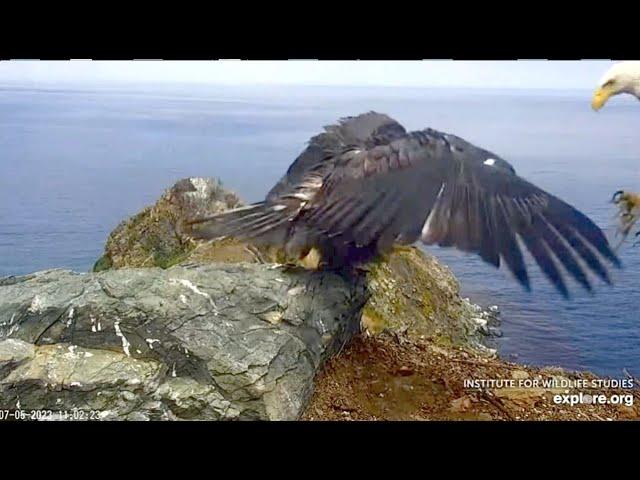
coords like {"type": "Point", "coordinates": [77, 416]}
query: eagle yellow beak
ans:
{"type": "Point", "coordinates": [600, 97]}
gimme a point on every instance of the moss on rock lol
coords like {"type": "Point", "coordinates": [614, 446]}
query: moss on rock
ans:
{"type": "Point", "coordinates": [413, 293]}
{"type": "Point", "coordinates": [155, 237]}
{"type": "Point", "coordinates": [103, 263]}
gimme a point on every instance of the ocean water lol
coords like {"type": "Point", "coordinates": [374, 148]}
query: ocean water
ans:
{"type": "Point", "coordinates": [75, 162]}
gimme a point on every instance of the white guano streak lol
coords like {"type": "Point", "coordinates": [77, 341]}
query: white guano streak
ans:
{"type": "Point", "coordinates": [194, 289]}
{"type": "Point", "coordinates": [36, 305]}
{"type": "Point", "coordinates": [427, 224]}
{"type": "Point", "coordinates": [125, 342]}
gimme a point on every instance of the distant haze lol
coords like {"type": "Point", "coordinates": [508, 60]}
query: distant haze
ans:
{"type": "Point", "coordinates": [542, 74]}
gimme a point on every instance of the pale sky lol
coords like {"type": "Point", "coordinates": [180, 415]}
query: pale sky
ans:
{"type": "Point", "coordinates": [494, 74]}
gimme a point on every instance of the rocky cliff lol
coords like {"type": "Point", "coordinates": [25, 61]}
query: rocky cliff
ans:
{"type": "Point", "coordinates": [169, 328]}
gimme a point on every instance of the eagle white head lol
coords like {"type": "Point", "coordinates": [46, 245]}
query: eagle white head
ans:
{"type": "Point", "coordinates": [622, 77]}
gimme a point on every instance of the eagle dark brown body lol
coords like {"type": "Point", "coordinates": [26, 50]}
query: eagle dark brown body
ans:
{"type": "Point", "coordinates": [366, 184]}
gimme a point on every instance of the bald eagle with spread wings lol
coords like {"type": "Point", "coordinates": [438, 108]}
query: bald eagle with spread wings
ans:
{"type": "Point", "coordinates": [366, 184]}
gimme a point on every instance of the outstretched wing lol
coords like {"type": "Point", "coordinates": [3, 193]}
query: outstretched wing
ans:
{"type": "Point", "coordinates": [443, 190]}
{"type": "Point", "coordinates": [365, 130]}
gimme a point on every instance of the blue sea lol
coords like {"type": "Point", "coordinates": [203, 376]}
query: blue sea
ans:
{"type": "Point", "coordinates": [74, 162]}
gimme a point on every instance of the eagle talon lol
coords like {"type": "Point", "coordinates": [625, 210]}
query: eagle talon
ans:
{"type": "Point", "coordinates": [617, 197]}
{"type": "Point", "coordinates": [628, 212]}
{"type": "Point", "coordinates": [287, 267]}
{"type": "Point", "coordinates": [626, 216]}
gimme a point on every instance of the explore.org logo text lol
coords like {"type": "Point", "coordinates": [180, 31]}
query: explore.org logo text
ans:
{"type": "Point", "coordinates": [587, 399]}
{"type": "Point", "coordinates": [564, 385]}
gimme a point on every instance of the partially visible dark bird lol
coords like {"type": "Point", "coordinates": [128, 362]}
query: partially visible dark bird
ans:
{"type": "Point", "coordinates": [366, 183]}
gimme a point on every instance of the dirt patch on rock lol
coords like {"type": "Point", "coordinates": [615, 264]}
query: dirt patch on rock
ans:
{"type": "Point", "coordinates": [393, 377]}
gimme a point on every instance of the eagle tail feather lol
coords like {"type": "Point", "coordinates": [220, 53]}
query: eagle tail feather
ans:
{"type": "Point", "coordinates": [257, 222]}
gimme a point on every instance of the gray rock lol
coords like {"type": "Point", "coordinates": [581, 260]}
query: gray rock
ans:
{"type": "Point", "coordinates": [218, 341]}
{"type": "Point", "coordinates": [495, 332]}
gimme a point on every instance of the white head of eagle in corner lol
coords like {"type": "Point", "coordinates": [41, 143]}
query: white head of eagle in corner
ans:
{"type": "Point", "coordinates": [622, 77]}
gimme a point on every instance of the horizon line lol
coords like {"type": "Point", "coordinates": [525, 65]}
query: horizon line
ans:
{"type": "Point", "coordinates": [117, 83]}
